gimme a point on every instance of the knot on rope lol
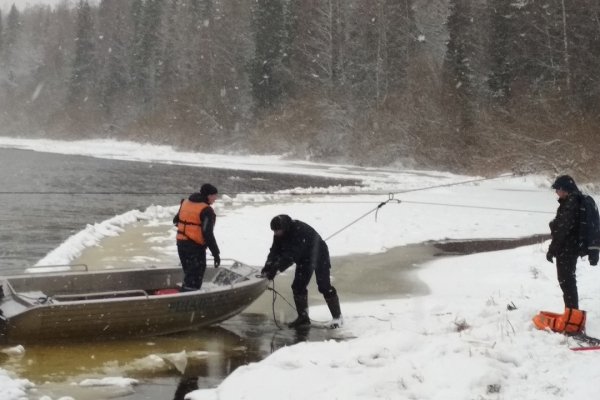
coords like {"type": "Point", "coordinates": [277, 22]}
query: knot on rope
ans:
{"type": "Point", "coordinates": [376, 210]}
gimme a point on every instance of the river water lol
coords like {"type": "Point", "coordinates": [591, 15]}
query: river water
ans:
{"type": "Point", "coordinates": [45, 198]}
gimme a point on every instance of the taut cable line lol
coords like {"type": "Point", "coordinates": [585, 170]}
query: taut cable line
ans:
{"type": "Point", "coordinates": [391, 198]}
{"type": "Point", "coordinates": [456, 183]}
{"type": "Point", "coordinates": [376, 210]}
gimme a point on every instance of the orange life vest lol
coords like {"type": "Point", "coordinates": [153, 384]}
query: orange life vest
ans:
{"type": "Point", "coordinates": [572, 321]}
{"type": "Point", "coordinates": [189, 226]}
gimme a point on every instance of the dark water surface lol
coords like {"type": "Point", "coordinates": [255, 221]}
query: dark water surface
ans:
{"type": "Point", "coordinates": [45, 198]}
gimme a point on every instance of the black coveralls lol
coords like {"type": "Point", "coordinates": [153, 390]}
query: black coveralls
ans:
{"type": "Point", "coordinates": [302, 245]}
{"type": "Point", "coordinates": [193, 255]}
{"type": "Point", "coordinates": [565, 246]}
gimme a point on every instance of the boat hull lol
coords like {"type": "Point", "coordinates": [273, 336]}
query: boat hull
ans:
{"type": "Point", "coordinates": [102, 315]}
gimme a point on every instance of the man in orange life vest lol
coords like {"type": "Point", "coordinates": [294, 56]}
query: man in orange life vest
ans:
{"type": "Point", "coordinates": [195, 222]}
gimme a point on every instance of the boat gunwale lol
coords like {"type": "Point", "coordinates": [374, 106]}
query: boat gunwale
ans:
{"type": "Point", "coordinates": [113, 296]}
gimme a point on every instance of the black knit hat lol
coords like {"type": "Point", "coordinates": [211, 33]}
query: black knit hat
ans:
{"type": "Point", "coordinates": [281, 223]}
{"type": "Point", "coordinates": [566, 183]}
{"type": "Point", "coordinates": [208, 189]}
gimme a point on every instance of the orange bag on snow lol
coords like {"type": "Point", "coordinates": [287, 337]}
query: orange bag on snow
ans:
{"type": "Point", "coordinates": [571, 321]}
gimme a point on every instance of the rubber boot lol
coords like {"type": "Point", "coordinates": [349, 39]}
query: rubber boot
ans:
{"type": "Point", "coordinates": [302, 309]}
{"type": "Point", "coordinates": [336, 313]}
{"type": "Point", "coordinates": [3, 327]}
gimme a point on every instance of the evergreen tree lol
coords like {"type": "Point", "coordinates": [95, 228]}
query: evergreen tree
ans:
{"type": "Point", "coordinates": [207, 51]}
{"type": "Point", "coordinates": [1, 35]}
{"type": "Point", "coordinates": [382, 39]}
{"type": "Point", "coordinates": [458, 73]}
{"type": "Point", "coordinates": [112, 52]}
{"type": "Point", "coordinates": [501, 37]}
{"type": "Point", "coordinates": [147, 52]}
{"type": "Point", "coordinates": [265, 68]}
{"type": "Point", "coordinates": [168, 73]}
{"type": "Point", "coordinates": [363, 60]}
{"type": "Point", "coordinates": [136, 63]}
{"type": "Point", "coordinates": [233, 47]}
{"type": "Point", "coordinates": [401, 37]}
{"type": "Point", "coordinates": [393, 31]}
{"type": "Point", "coordinates": [13, 30]}
{"type": "Point", "coordinates": [194, 35]}
{"type": "Point", "coordinates": [83, 64]}
{"type": "Point", "coordinates": [314, 49]}
{"type": "Point", "coordinates": [57, 57]}
{"type": "Point", "coordinates": [539, 55]}
{"type": "Point", "coordinates": [583, 36]}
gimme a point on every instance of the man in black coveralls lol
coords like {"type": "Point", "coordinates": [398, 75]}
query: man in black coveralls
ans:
{"type": "Point", "coordinates": [297, 242]}
{"type": "Point", "coordinates": [565, 238]}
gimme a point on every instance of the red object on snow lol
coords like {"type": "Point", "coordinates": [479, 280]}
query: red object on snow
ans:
{"type": "Point", "coordinates": [589, 348]}
{"type": "Point", "coordinates": [160, 292]}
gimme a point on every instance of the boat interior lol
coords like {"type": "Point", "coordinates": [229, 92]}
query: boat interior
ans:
{"type": "Point", "coordinates": [51, 287]}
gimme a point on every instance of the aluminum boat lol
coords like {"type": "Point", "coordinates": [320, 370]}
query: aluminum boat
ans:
{"type": "Point", "coordinates": [107, 304]}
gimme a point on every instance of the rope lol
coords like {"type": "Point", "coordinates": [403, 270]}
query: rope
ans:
{"type": "Point", "coordinates": [275, 293]}
{"type": "Point", "coordinates": [476, 207]}
{"type": "Point", "coordinates": [456, 183]}
{"type": "Point", "coordinates": [376, 210]}
{"type": "Point", "coordinates": [33, 299]}
{"type": "Point", "coordinates": [391, 198]}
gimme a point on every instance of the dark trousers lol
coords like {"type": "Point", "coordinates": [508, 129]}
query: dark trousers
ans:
{"type": "Point", "coordinates": [302, 279]}
{"type": "Point", "coordinates": [193, 262]}
{"type": "Point", "coordinates": [566, 265]}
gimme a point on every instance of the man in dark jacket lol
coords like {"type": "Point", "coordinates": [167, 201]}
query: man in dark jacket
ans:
{"type": "Point", "coordinates": [195, 223]}
{"type": "Point", "coordinates": [295, 242]}
{"type": "Point", "coordinates": [565, 238]}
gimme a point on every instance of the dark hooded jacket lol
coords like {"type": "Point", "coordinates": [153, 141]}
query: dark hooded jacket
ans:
{"type": "Point", "coordinates": [208, 218]}
{"type": "Point", "coordinates": [565, 226]}
{"type": "Point", "coordinates": [300, 244]}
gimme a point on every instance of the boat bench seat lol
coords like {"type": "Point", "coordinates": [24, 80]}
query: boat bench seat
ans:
{"type": "Point", "coordinates": [99, 295]}
{"type": "Point", "coordinates": [33, 297]}
{"type": "Point", "coordinates": [20, 302]}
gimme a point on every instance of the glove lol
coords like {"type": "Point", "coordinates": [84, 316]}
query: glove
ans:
{"type": "Point", "coordinates": [549, 257]}
{"type": "Point", "coordinates": [217, 260]}
{"type": "Point", "coordinates": [268, 273]}
{"type": "Point", "coordinates": [593, 257]}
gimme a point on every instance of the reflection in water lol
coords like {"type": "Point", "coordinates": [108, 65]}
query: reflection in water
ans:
{"type": "Point", "coordinates": [302, 333]}
{"type": "Point", "coordinates": [166, 367]}
{"type": "Point", "coordinates": [186, 385]}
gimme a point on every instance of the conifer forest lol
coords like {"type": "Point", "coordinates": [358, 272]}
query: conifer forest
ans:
{"type": "Point", "coordinates": [463, 85]}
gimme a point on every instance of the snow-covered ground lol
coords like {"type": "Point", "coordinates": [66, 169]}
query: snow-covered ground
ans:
{"type": "Point", "coordinates": [459, 342]}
